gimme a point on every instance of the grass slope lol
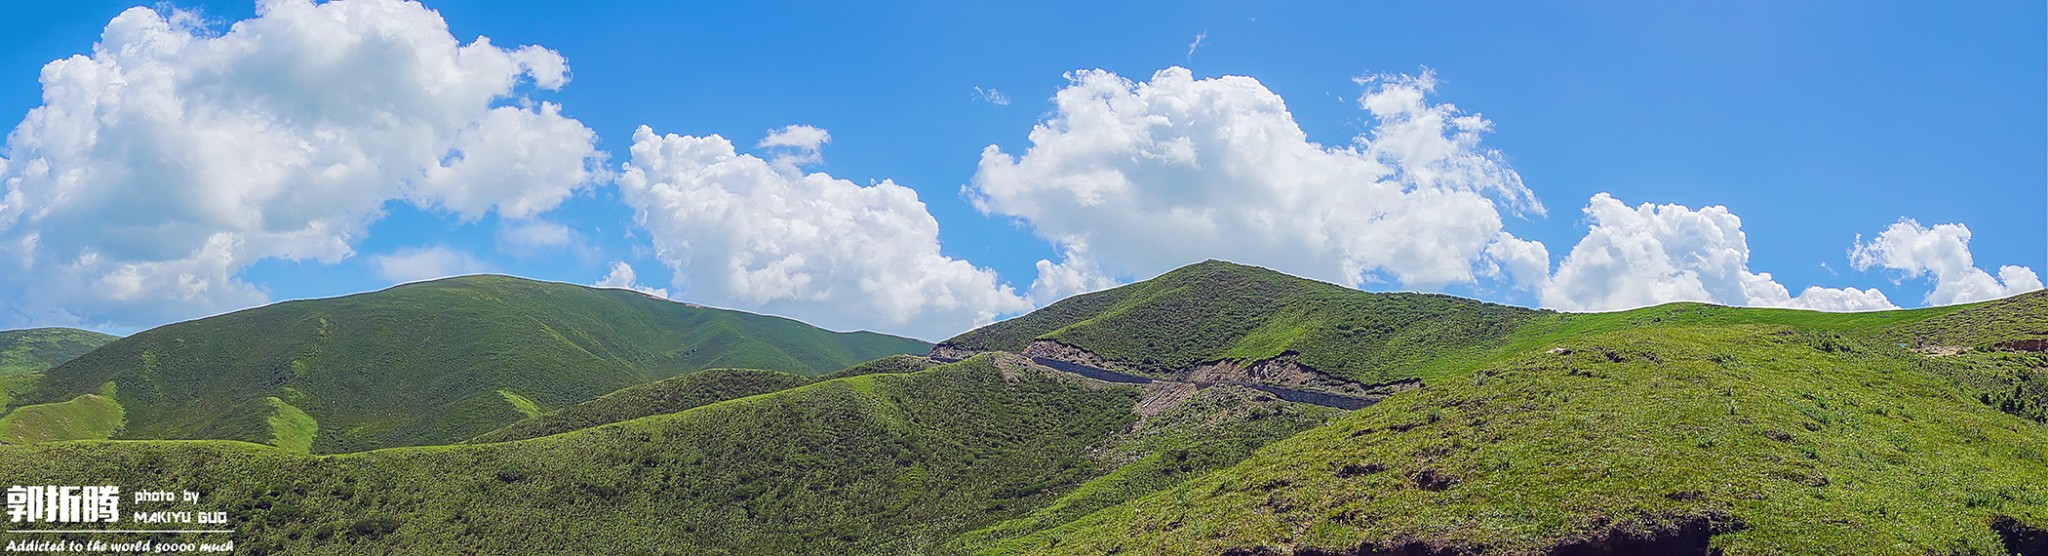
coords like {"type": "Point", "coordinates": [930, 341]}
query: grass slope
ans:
{"type": "Point", "coordinates": [1214, 428]}
{"type": "Point", "coordinates": [873, 464]}
{"type": "Point", "coordinates": [12, 384]}
{"type": "Point", "coordinates": [424, 363]}
{"type": "Point", "coordinates": [38, 349]}
{"type": "Point", "coordinates": [660, 397]}
{"type": "Point", "coordinates": [95, 416]}
{"type": "Point", "coordinates": [1747, 431]}
{"type": "Point", "coordinates": [1217, 310]}
{"type": "Point", "coordinates": [291, 428]}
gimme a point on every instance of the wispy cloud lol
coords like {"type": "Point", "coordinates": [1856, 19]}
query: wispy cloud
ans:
{"type": "Point", "coordinates": [991, 96]}
{"type": "Point", "coordinates": [1199, 37]}
{"type": "Point", "coordinates": [425, 263]}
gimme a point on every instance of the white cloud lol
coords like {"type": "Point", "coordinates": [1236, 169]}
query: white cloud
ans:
{"type": "Point", "coordinates": [1075, 274]}
{"type": "Point", "coordinates": [991, 96]}
{"type": "Point", "coordinates": [623, 277]}
{"type": "Point", "coordinates": [533, 235]}
{"type": "Point", "coordinates": [1651, 254]}
{"type": "Point", "coordinates": [1941, 252]}
{"type": "Point", "coordinates": [1151, 176]}
{"type": "Point", "coordinates": [172, 157]}
{"type": "Point", "coordinates": [1197, 43]}
{"type": "Point", "coordinates": [800, 137]}
{"type": "Point", "coordinates": [740, 231]}
{"type": "Point", "coordinates": [425, 263]}
{"type": "Point", "coordinates": [794, 145]}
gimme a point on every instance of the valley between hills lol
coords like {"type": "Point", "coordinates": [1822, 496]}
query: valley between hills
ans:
{"type": "Point", "coordinates": [1216, 409]}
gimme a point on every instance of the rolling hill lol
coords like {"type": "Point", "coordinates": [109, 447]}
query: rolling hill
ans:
{"type": "Point", "coordinates": [36, 350]}
{"type": "Point", "coordinates": [1184, 321]}
{"type": "Point", "coordinates": [1678, 429]}
{"type": "Point", "coordinates": [424, 363]}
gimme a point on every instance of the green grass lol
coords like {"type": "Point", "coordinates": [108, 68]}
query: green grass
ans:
{"type": "Point", "coordinates": [1810, 450]}
{"type": "Point", "coordinates": [660, 397]}
{"type": "Point", "coordinates": [1979, 325]}
{"type": "Point", "coordinates": [291, 429]}
{"type": "Point", "coordinates": [39, 349]}
{"type": "Point", "coordinates": [10, 384]}
{"type": "Point", "coordinates": [896, 465]}
{"type": "Point", "coordinates": [424, 363]}
{"type": "Point", "coordinates": [1215, 428]}
{"type": "Point", "coordinates": [86, 417]}
{"type": "Point", "coordinates": [525, 405]}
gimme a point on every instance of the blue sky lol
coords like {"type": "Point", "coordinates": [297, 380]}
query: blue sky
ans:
{"type": "Point", "coordinates": [1819, 125]}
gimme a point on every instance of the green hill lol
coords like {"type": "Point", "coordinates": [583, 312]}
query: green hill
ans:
{"type": "Point", "coordinates": [874, 464]}
{"type": "Point", "coordinates": [1214, 311]}
{"type": "Point", "coordinates": [38, 349]}
{"type": "Point", "coordinates": [1679, 429]}
{"type": "Point", "coordinates": [427, 363]}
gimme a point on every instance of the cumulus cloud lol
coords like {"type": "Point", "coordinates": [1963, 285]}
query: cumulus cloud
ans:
{"type": "Point", "coordinates": [623, 277]}
{"type": "Point", "coordinates": [1651, 254]}
{"type": "Point", "coordinates": [1077, 273]}
{"type": "Point", "coordinates": [743, 232]}
{"type": "Point", "coordinates": [425, 263]}
{"type": "Point", "coordinates": [172, 156]}
{"type": "Point", "coordinates": [1154, 175]}
{"type": "Point", "coordinates": [1942, 253]}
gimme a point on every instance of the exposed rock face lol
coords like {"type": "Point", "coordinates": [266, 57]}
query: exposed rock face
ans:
{"type": "Point", "coordinates": [1285, 370]}
{"type": "Point", "coordinates": [944, 352]}
{"type": "Point", "coordinates": [1054, 350]}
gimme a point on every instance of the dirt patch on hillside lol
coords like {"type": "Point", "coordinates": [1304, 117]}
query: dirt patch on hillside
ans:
{"type": "Point", "coordinates": [2037, 345]}
{"type": "Point", "coordinates": [1162, 396]}
{"type": "Point", "coordinates": [1053, 349]}
{"type": "Point", "coordinates": [1940, 351]}
{"type": "Point", "coordinates": [1286, 371]}
{"type": "Point", "coordinates": [944, 352]}
{"type": "Point", "coordinates": [1690, 537]}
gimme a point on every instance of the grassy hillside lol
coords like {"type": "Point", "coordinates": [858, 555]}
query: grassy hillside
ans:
{"type": "Point", "coordinates": [1677, 429]}
{"type": "Point", "coordinates": [94, 416]}
{"type": "Point", "coordinates": [38, 349]}
{"type": "Point", "coordinates": [872, 464]}
{"type": "Point", "coordinates": [1210, 429]}
{"type": "Point", "coordinates": [660, 397]}
{"type": "Point", "coordinates": [1672, 429]}
{"type": "Point", "coordinates": [1218, 310]}
{"type": "Point", "coordinates": [429, 363]}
